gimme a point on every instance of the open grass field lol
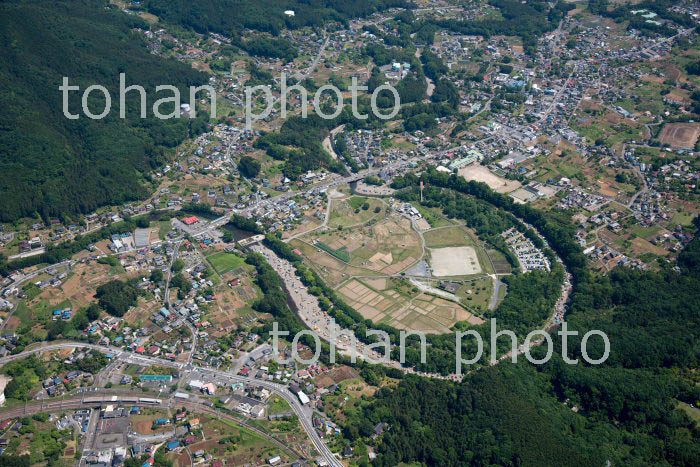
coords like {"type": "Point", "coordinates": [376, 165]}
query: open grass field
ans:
{"type": "Point", "coordinates": [433, 216]}
{"type": "Point", "coordinates": [348, 212]}
{"type": "Point", "coordinates": [692, 412]}
{"type": "Point", "coordinates": [277, 405]}
{"type": "Point", "coordinates": [447, 237]}
{"type": "Point", "coordinates": [476, 293]}
{"type": "Point", "coordinates": [224, 262]}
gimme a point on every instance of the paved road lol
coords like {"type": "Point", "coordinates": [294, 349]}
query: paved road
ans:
{"type": "Point", "coordinates": [78, 402]}
{"type": "Point", "coordinates": [303, 414]}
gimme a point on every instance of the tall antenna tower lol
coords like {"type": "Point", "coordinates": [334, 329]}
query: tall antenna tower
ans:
{"type": "Point", "coordinates": [421, 191]}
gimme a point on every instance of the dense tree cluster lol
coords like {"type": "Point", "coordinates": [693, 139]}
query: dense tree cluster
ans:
{"type": "Point", "coordinates": [116, 297]}
{"type": "Point", "coordinates": [246, 224]}
{"type": "Point", "coordinates": [623, 411]}
{"type": "Point", "coordinates": [693, 68]}
{"type": "Point", "coordinates": [249, 167]}
{"type": "Point", "coordinates": [57, 167]}
{"type": "Point", "coordinates": [223, 16]}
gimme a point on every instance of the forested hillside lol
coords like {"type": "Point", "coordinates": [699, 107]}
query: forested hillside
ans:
{"type": "Point", "coordinates": [227, 16]}
{"type": "Point", "coordinates": [624, 411]}
{"type": "Point", "coordinates": [58, 167]}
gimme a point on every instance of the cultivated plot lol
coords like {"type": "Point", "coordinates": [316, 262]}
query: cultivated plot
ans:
{"type": "Point", "coordinates": [391, 302]}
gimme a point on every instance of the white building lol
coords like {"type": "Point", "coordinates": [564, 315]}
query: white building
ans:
{"type": "Point", "coordinates": [303, 398]}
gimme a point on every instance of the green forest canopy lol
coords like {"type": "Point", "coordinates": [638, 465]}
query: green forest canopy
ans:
{"type": "Point", "coordinates": [226, 16]}
{"type": "Point", "coordinates": [623, 411]}
{"type": "Point", "coordinates": [56, 167]}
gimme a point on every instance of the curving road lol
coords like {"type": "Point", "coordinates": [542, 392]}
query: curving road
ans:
{"type": "Point", "coordinates": [130, 357]}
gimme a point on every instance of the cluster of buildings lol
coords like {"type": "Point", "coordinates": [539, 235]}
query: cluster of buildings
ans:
{"type": "Point", "coordinates": [578, 198]}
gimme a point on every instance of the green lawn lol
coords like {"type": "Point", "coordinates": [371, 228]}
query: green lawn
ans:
{"type": "Point", "coordinates": [224, 262]}
{"type": "Point", "coordinates": [480, 296]}
{"type": "Point", "coordinates": [356, 202]}
{"type": "Point", "coordinates": [163, 228]}
{"type": "Point", "coordinates": [682, 219]}
{"type": "Point", "coordinates": [434, 216]}
{"type": "Point", "coordinates": [644, 232]}
{"type": "Point", "coordinates": [278, 405]}
{"type": "Point", "coordinates": [447, 237]}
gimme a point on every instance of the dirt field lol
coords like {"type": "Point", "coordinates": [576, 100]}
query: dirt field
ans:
{"type": "Point", "coordinates": [388, 246]}
{"type": "Point", "coordinates": [680, 135]}
{"type": "Point", "coordinates": [454, 261]}
{"type": "Point", "coordinates": [404, 309]}
{"type": "Point", "coordinates": [482, 174]}
{"type": "Point", "coordinates": [336, 375]}
{"type": "Point", "coordinates": [143, 424]}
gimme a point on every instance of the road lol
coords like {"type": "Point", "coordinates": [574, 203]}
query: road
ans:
{"type": "Point", "coordinates": [78, 402]}
{"type": "Point", "coordinates": [302, 413]}
{"type": "Point", "coordinates": [304, 74]}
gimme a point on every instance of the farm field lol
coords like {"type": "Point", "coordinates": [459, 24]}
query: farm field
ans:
{"type": "Point", "coordinates": [386, 247]}
{"type": "Point", "coordinates": [398, 304]}
{"type": "Point", "coordinates": [500, 263]}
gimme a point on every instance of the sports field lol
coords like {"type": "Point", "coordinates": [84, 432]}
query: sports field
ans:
{"type": "Point", "coordinates": [224, 262]}
{"type": "Point", "coordinates": [482, 174]}
{"type": "Point", "coordinates": [454, 261]}
{"type": "Point", "coordinates": [680, 135]}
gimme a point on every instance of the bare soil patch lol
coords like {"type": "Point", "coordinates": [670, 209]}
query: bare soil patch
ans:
{"type": "Point", "coordinates": [680, 135]}
{"type": "Point", "coordinates": [483, 174]}
{"type": "Point", "coordinates": [454, 261]}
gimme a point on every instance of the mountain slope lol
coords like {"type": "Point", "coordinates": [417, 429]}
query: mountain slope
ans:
{"type": "Point", "coordinates": [58, 167]}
